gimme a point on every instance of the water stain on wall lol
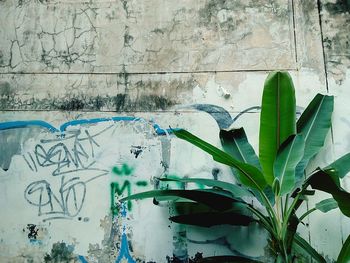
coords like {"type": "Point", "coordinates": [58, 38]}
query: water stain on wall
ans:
{"type": "Point", "coordinates": [118, 103]}
{"type": "Point", "coordinates": [336, 27]}
{"type": "Point", "coordinates": [11, 142]}
{"type": "Point", "coordinates": [340, 6]}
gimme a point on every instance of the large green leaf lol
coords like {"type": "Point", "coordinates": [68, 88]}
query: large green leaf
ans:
{"type": "Point", "coordinates": [208, 219]}
{"type": "Point", "coordinates": [339, 167]}
{"type": "Point", "coordinates": [192, 213]}
{"type": "Point", "coordinates": [235, 143]}
{"type": "Point", "coordinates": [187, 207]}
{"type": "Point", "coordinates": [277, 119]}
{"type": "Point", "coordinates": [305, 246]}
{"type": "Point", "coordinates": [321, 180]}
{"type": "Point", "coordinates": [236, 190]}
{"type": "Point", "coordinates": [314, 125]}
{"type": "Point", "coordinates": [248, 175]}
{"type": "Point", "coordinates": [216, 199]}
{"type": "Point", "coordinates": [288, 156]}
{"type": "Point", "coordinates": [344, 255]}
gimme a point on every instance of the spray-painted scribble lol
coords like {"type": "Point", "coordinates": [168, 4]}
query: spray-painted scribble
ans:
{"type": "Point", "coordinates": [65, 204]}
{"type": "Point", "coordinates": [70, 159]}
{"type": "Point", "coordinates": [32, 232]}
{"type": "Point", "coordinates": [64, 160]}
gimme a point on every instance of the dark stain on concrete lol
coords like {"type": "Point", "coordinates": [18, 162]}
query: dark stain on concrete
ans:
{"type": "Point", "coordinates": [5, 89]}
{"type": "Point", "coordinates": [118, 103]}
{"type": "Point", "coordinates": [339, 7]}
{"type": "Point", "coordinates": [60, 252]}
{"type": "Point", "coordinates": [11, 143]}
{"type": "Point", "coordinates": [72, 105]}
{"type": "Point", "coordinates": [336, 38]}
{"type": "Point", "coordinates": [208, 15]}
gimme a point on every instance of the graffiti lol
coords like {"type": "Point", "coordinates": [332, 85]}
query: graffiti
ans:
{"type": "Point", "coordinates": [124, 170]}
{"type": "Point", "coordinates": [118, 188]}
{"type": "Point", "coordinates": [64, 205]}
{"type": "Point", "coordinates": [65, 157]}
{"type": "Point", "coordinates": [64, 126]}
{"type": "Point", "coordinates": [33, 232]}
{"type": "Point", "coordinates": [62, 159]}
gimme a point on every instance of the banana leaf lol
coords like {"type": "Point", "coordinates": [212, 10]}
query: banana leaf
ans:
{"type": "Point", "coordinates": [344, 255]}
{"type": "Point", "coordinates": [314, 125]}
{"type": "Point", "coordinates": [236, 190]}
{"type": "Point", "coordinates": [277, 119]}
{"type": "Point", "coordinates": [288, 156]}
{"type": "Point", "coordinates": [217, 199]}
{"type": "Point", "coordinates": [321, 180]}
{"type": "Point", "coordinates": [248, 175]}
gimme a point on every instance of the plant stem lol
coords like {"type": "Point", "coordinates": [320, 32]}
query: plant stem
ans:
{"type": "Point", "coordinates": [307, 213]}
{"type": "Point", "coordinates": [286, 203]}
{"type": "Point", "coordinates": [289, 213]}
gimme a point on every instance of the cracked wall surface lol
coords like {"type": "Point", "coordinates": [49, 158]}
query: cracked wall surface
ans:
{"type": "Point", "coordinates": [146, 36]}
{"type": "Point", "coordinates": [89, 89]}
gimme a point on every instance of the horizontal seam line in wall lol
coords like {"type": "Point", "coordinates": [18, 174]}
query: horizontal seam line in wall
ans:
{"type": "Point", "coordinates": [145, 73]}
{"type": "Point", "coordinates": [121, 112]}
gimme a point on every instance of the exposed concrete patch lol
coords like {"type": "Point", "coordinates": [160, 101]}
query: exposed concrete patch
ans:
{"type": "Point", "coordinates": [110, 246]}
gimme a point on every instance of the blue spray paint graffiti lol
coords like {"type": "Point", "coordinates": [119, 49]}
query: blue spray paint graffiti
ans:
{"type": "Point", "coordinates": [124, 252]}
{"type": "Point", "coordinates": [64, 126]}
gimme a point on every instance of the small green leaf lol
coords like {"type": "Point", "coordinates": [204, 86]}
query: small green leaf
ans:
{"type": "Point", "coordinates": [236, 190]}
{"type": "Point", "coordinates": [339, 167]}
{"type": "Point", "coordinates": [288, 156]}
{"type": "Point", "coordinates": [314, 125]}
{"type": "Point", "coordinates": [301, 243]}
{"type": "Point", "coordinates": [326, 205]}
{"type": "Point", "coordinates": [248, 175]}
{"type": "Point", "coordinates": [344, 255]}
{"type": "Point", "coordinates": [277, 119]}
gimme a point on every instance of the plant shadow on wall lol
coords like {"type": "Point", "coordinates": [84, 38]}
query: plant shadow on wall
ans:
{"type": "Point", "coordinates": [277, 179]}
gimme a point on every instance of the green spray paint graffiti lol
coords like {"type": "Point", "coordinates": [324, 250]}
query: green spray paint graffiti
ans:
{"type": "Point", "coordinates": [125, 170]}
{"type": "Point", "coordinates": [118, 188]}
{"type": "Point", "coordinates": [176, 184]}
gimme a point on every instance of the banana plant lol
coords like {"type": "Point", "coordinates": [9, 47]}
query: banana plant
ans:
{"type": "Point", "coordinates": [276, 177]}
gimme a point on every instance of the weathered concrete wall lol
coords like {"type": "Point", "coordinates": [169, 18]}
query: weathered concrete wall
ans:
{"type": "Point", "coordinates": [89, 88]}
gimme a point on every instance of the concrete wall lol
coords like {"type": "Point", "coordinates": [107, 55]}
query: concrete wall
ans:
{"type": "Point", "coordinates": [89, 88]}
